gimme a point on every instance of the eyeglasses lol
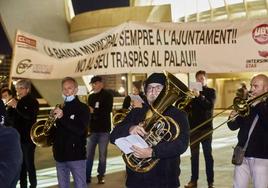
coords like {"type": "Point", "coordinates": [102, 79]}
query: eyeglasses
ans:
{"type": "Point", "coordinates": [156, 88]}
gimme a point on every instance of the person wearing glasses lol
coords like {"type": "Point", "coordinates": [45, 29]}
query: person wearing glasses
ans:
{"type": "Point", "coordinates": [26, 108]}
{"type": "Point", "coordinates": [166, 172]}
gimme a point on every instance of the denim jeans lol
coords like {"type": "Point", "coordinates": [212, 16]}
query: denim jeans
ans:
{"type": "Point", "coordinates": [102, 139]}
{"type": "Point", "coordinates": [207, 151]}
{"type": "Point", "coordinates": [78, 170]}
{"type": "Point", "coordinates": [28, 150]}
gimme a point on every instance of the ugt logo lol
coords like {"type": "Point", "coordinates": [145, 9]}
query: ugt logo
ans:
{"type": "Point", "coordinates": [23, 65]}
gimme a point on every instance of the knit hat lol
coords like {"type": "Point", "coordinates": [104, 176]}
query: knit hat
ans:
{"type": "Point", "coordinates": [95, 79]}
{"type": "Point", "coordinates": [155, 78]}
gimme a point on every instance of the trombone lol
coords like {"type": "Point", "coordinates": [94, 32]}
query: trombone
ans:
{"type": "Point", "coordinates": [240, 105]}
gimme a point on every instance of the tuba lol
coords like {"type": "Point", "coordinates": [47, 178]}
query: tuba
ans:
{"type": "Point", "coordinates": [42, 132]}
{"type": "Point", "coordinates": [159, 127]}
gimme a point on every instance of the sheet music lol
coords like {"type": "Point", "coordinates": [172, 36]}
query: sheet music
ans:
{"type": "Point", "coordinates": [125, 143]}
{"type": "Point", "coordinates": [196, 85]}
{"type": "Point", "coordinates": [136, 97]}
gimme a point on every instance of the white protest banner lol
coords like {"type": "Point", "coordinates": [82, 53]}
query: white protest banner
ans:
{"type": "Point", "coordinates": [217, 47]}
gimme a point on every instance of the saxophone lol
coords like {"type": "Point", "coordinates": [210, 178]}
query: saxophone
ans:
{"type": "Point", "coordinates": [42, 132]}
{"type": "Point", "coordinates": [159, 127]}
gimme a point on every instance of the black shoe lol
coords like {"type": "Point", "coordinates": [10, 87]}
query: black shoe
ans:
{"type": "Point", "coordinates": [191, 184]}
{"type": "Point", "coordinates": [100, 179]}
{"type": "Point", "coordinates": [211, 185]}
{"type": "Point", "coordinates": [89, 180]}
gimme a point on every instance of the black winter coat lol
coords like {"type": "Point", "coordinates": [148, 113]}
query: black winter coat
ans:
{"type": "Point", "coordinates": [166, 172]}
{"type": "Point", "coordinates": [199, 110]}
{"type": "Point", "coordinates": [71, 132]}
{"type": "Point", "coordinates": [26, 114]}
{"type": "Point", "coordinates": [102, 102]}
{"type": "Point", "coordinates": [258, 142]}
{"type": "Point", "coordinates": [10, 157]}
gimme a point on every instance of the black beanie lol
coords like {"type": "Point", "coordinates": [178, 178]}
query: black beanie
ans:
{"type": "Point", "coordinates": [155, 78]}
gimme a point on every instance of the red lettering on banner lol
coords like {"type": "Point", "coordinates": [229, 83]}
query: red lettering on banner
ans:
{"type": "Point", "coordinates": [26, 40]}
{"type": "Point", "coordinates": [260, 34]}
{"type": "Point", "coordinates": [251, 65]}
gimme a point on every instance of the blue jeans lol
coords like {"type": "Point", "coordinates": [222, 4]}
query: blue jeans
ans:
{"type": "Point", "coordinates": [78, 170]}
{"type": "Point", "coordinates": [102, 139]}
{"type": "Point", "coordinates": [207, 150]}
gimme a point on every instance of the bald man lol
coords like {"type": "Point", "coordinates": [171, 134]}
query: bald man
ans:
{"type": "Point", "coordinates": [255, 162]}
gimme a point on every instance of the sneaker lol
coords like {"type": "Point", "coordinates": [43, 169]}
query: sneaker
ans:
{"type": "Point", "coordinates": [100, 179]}
{"type": "Point", "coordinates": [191, 184]}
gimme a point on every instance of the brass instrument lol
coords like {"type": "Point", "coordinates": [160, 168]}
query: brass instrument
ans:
{"type": "Point", "coordinates": [157, 126]}
{"type": "Point", "coordinates": [240, 105]}
{"type": "Point", "coordinates": [182, 103]}
{"type": "Point", "coordinates": [119, 115]}
{"type": "Point", "coordinates": [42, 132]}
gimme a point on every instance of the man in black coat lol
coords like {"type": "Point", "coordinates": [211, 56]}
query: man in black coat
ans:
{"type": "Point", "coordinates": [167, 170]}
{"type": "Point", "coordinates": [200, 109]}
{"type": "Point", "coordinates": [27, 108]}
{"type": "Point", "coordinates": [100, 103]}
{"type": "Point", "coordinates": [69, 147]}
{"type": "Point", "coordinates": [7, 96]}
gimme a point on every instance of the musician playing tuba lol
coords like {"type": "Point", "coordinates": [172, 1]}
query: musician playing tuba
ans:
{"type": "Point", "coordinates": [165, 169]}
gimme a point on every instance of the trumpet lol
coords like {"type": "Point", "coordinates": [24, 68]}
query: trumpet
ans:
{"type": "Point", "coordinates": [240, 105]}
{"type": "Point", "coordinates": [11, 102]}
{"type": "Point", "coordinates": [42, 132]}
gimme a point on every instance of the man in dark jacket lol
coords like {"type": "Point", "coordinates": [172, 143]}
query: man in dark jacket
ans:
{"type": "Point", "coordinates": [200, 109]}
{"type": "Point", "coordinates": [136, 91]}
{"type": "Point", "coordinates": [167, 170]}
{"type": "Point", "coordinates": [100, 103]}
{"type": "Point", "coordinates": [27, 108]}
{"type": "Point", "coordinates": [255, 161]}
{"type": "Point", "coordinates": [69, 147]}
{"type": "Point", "coordinates": [7, 96]}
{"type": "Point", "coordinates": [11, 155]}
